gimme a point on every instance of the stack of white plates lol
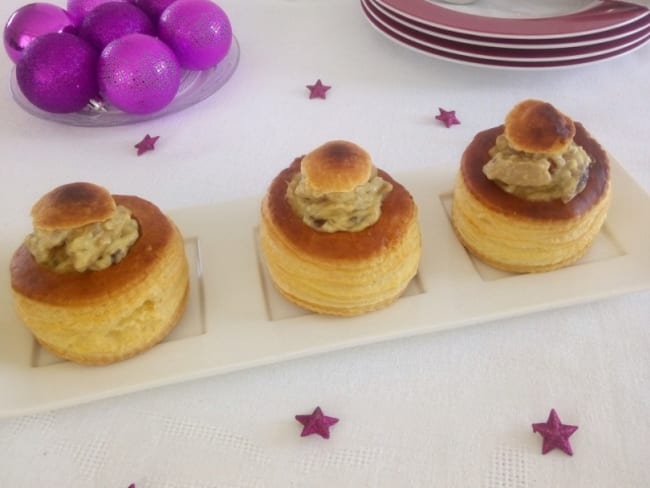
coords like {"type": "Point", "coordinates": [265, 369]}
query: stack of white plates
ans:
{"type": "Point", "coordinates": [514, 34]}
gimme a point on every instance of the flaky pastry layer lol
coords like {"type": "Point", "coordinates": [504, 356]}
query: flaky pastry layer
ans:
{"type": "Point", "coordinates": [516, 235]}
{"type": "Point", "coordinates": [99, 317]}
{"type": "Point", "coordinates": [340, 273]}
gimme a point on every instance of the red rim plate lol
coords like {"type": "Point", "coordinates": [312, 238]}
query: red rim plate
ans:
{"type": "Point", "coordinates": [501, 53]}
{"type": "Point", "coordinates": [502, 64]}
{"type": "Point", "coordinates": [604, 15]}
{"type": "Point", "coordinates": [533, 43]}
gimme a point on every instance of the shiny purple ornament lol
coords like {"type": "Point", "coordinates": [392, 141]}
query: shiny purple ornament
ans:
{"type": "Point", "coordinates": [138, 74]}
{"type": "Point", "coordinates": [112, 20]}
{"type": "Point", "coordinates": [198, 31]}
{"type": "Point", "coordinates": [57, 73]}
{"type": "Point", "coordinates": [31, 21]}
{"type": "Point", "coordinates": [153, 8]}
{"type": "Point", "coordinates": [78, 9]}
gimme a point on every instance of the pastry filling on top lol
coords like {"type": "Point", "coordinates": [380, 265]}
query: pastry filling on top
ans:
{"type": "Point", "coordinates": [93, 247]}
{"type": "Point", "coordinates": [538, 177]}
{"type": "Point", "coordinates": [338, 211]}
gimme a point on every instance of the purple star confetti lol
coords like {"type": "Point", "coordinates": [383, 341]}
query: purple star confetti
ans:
{"type": "Point", "coordinates": [447, 117]}
{"type": "Point", "coordinates": [555, 433]}
{"type": "Point", "coordinates": [316, 423]}
{"type": "Point", "coordinates": [146, 144]}
{"type": "Point", "coordinates": [318, 90]}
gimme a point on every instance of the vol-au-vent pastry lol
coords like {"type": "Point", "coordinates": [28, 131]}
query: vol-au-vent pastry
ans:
{"type": "Point", "coordinates": [338, 235]}
{"type": "Point", "coordinates": [531, 195]}
{"type": "Point", "coordinates": [102, 277]}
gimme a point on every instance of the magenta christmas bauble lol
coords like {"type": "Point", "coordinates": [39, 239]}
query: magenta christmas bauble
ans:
{"type": "Point", "coordinates": [153, 8]}
{"type": "Point", "coordinates": [138, 74]}
{"type": "Point", "coordinates": [112, 20]}
{"type": "Point", "coordinates": [31, 21]}
{"type": "Point", "coordinates": [78, 9]}
{"type": "Point", "coordinates": [57, 72]}
{"type": "Point", "coordinates": [198, 31]}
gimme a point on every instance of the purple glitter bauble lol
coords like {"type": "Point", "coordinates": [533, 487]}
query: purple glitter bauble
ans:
{"type": "Point", "coordinates": [113, 20]}
{"type": "Point", "coordinates": [78, 9]}
{"type": "Point", "coordinates": [31, 21]}
{"type": "Point", "coordinates": [138, 74]}
{"type": "Point", "coordinates": [153, 8]}
{"type": "Point", "coordinates": [198, 31]}
{"type": "Point", "coordinates": [57, 72]}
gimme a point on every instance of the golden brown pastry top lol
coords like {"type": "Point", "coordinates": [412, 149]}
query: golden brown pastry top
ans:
{"type": "Point", "coordinates": [37, 282]}
{"type": "Point", "coordinates": [73, 205]}
{"type": "Point", "coordinates": [535, 126]}
{"type": "Point", "coordinates": [337, 166]}
{"type": "Point", "coordinates": [397, 212]}
{"type": "Point", "coordinates": [476, 155]}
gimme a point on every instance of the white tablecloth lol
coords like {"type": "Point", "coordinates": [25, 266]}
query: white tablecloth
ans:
{"type": "Point", "coordinates": [450, 409]}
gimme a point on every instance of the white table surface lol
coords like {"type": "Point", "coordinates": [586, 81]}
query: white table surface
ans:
{"type": "Point", "coordinates": [450, 409]}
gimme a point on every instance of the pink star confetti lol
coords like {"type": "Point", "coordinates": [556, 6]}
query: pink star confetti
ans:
{"type": "Point", "coordinates": [447, 117]}
{"type": "Point", "coordinates": [555, 433]}
{"type": "Point", "coordinates": [318, 90]}
{"type": "Point", "coordinates": [316, 423]}
{"type": "Point", "coordinates": [146, 144]}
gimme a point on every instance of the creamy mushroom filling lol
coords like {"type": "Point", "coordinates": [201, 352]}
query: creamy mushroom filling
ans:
{"type": "Point", "coordinates": [536, 176]}
{"type": "Point", "coordinates": [350, 211]}
{"type": "Point", "coordinates": [94, 246]}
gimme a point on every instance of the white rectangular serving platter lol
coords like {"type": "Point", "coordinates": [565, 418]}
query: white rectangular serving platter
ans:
{"type": "Point", "coordinates": [236, 320]}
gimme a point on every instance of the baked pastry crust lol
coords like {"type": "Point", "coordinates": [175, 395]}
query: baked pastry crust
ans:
{"type": "Point", "coordinates": [340, 273]}
{"type": "Point", "coordinates": [535, 126]}
{"type": "Point", "coordinates": [337, 166]}
{"type": "Point", "coordinates": [72, 205]}
{"type": "Point", "coordinates": [518, 235]}
{"type": "Point", "coordinates": [99, 317]}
